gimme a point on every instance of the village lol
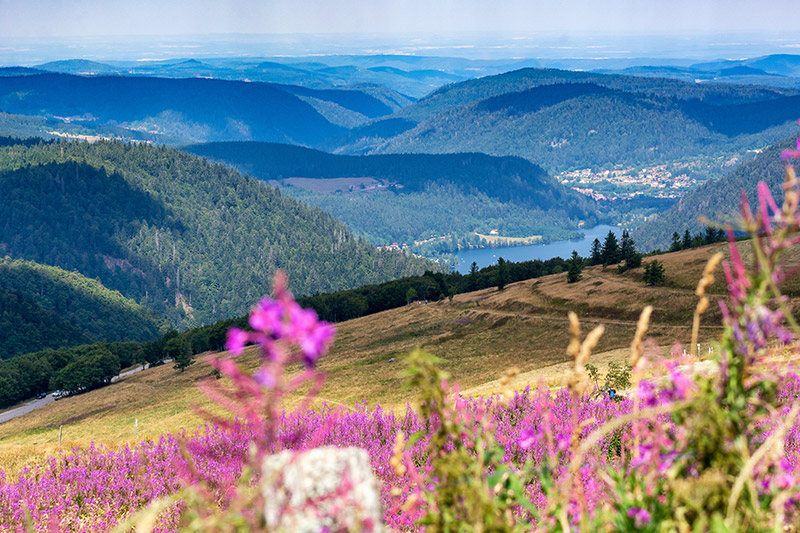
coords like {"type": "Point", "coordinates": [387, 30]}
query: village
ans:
{"type": "Point", "coordinates": [669, 180]}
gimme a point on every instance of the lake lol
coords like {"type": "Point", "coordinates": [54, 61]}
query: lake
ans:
{"type": "Point", "coordinates": [488, 256]}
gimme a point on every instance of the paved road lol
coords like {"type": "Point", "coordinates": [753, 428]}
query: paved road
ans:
{"type": "Point", "coordinates": [5, 416]}
{"type": "Point", "coordinates": [25, 409]}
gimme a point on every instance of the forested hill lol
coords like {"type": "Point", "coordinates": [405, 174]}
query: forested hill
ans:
{"type": "Point", "coordinates": [46, 307]}
{"type": "Point", "coordinates": [191, 240]}
{"type": "Point", "coordinates": [718, 201]}
{"type": "Point", "coordinates": [565, 120]}
{"type": "Point", "coordinates": [470, 91]}
{"type": "Point", "coordinates": [195, 109]}
{"type": "Point", "coordinates": [507, 179]}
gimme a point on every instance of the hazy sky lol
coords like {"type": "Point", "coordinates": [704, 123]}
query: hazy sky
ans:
{"type": "Point", "coordinates": [71, 18]}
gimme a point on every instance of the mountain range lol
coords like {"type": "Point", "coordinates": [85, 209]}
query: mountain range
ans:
{"type": "Point", "coordinates": [555, 118]}
{"type": "Point", "coordinates": [194, 109]}
{"type": "Point", "coordinates": [564, 120]}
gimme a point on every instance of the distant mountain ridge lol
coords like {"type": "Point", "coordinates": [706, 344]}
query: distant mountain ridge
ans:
{"type": "Point", "coordinates": [196, 109]}
{"type": "Point", "coordinates": [414, 76]}
{"type": "Point", "coordinates": [564, 120]}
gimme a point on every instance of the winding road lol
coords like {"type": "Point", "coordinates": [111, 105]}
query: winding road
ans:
{"type": "Point", "coordinates": [32, 405]}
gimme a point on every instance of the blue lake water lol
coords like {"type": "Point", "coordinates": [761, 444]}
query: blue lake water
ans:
{"type": "Point", "coordinates": [488, 256]}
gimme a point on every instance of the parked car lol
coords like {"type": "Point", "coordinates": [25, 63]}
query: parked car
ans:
{"type": "Point", "coordinates": [41, 395]}
{"type": "Point", "coordinates": [57, 395]}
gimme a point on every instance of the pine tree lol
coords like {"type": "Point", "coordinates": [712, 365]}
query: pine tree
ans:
{"type": "Point", "coordinates": [711, 235]}
{"type": "Point", "coordinates": [628, 253]}
{"type": "Point", "coordinates": [472, 278]}
{"type": "Point", "coordinates": [597, 253]}
{"type": "Point", "coordinates": [634, 261]}
{"type": "Point", "coordinates": [502, 276]}
{"type": "Point", "coordinates": [687, 240]}
{"type": "Point", "coordinates": [676, 242]}
{"type": "Point", "coordinates": [611, 251]}
{"type": "Point", "coordinates": [574, 274]}
{"type": "Point", "coordinates": [654, 273]}
{"type": "Point", "coordinates": [627, 249]}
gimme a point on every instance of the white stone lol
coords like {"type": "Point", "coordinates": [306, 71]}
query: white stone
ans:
{"type": "Point", "coordinates": [322, 489]}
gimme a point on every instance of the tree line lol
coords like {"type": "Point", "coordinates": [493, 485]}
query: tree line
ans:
{"type": "Point", "coordinates": [89, 366]}
{"type": "Point", "coordinates": [620, 252]}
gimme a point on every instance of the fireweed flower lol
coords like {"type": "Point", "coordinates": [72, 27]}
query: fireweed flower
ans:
{"type": "Point", "coordinates": [237, 340]}
{"type": "Point", "coordinates": [282, 320]}
{"type": "Point", "coordinates": [640, 516]}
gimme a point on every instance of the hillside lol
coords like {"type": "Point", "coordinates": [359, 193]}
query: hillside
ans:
{"type": "Point", "coordinates": [195, 109]}
{"type": "Point", "coordinates": [566, 120]}
{"type": "Point", "coordinates": [717, 200]}
{"type": "Point", "coordinates": [83, 307]}
{"type": "Point", "coordinates": [458, 94]}
{"type": "Point", "coordinates": [192, 241]}
{"type": "Point", "coordinates": [26, 326]}
{"type": "Point", "coordinates": [479, 335]}
{"type": "Point", "coordinates": [406, 197]}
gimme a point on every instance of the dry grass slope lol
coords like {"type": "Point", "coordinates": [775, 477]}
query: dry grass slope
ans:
{"type": "Point", "coordinates": [478, 335]}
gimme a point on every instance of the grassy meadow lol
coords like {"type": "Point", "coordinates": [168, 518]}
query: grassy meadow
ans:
{"type": "Point", "coordinates": [479, 336]}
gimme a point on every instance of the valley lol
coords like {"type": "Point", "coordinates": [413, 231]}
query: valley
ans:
{"type": "Point", "coordinates": [506, 233]}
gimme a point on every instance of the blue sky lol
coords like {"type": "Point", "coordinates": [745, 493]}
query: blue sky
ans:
{"type": "Point", "coordinates": [73, 18]}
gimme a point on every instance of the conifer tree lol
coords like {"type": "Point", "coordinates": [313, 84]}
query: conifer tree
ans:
{"type": "Point", "coordinates": [676, 242]}
{"type": "Point", "coordinates": [628, 252]}
{"type": "Point", "coordinates": [710, 236]}
{"type": "Point", "coordinates": [574, 274]}
{"type": "Point", "coordinates": [611, 251]}
{"type": "Point", "coordinates": [597, 253]}
{"type": "Point", "coordinates": [502, 276]}
{"type": "Point", "coordinates": [626, 246]}
{"type": "Point", "coordinates": [687, 240]}
{"type": "Point", "coordinates": [654, 273]}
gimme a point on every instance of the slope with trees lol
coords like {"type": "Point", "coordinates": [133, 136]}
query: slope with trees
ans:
{"type": "Point", "coordinates": [567, 119]}
{"type": "Point", "coordinates": [563, 127]}
{"type": "Point", "coordinates": [718, 201]}
{"type": "Point", "coordinates": [191, 240]}
{"type": "Point", "coordinates": [25, 326]}
{"type": "Point", "coordinates": [83, 304]}
{"type": "Point", "coordinates": [422, 195]}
